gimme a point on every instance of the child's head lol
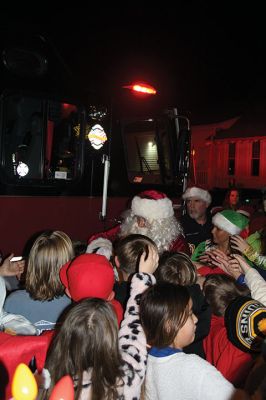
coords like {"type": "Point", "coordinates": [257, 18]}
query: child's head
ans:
{"type": "Point", "coordinates": [49, 252]}
{"type": "Point", "coordinates": [176, 268]}
{"type": "Point", "coordinates": [88, 338]}
{"type": "Point", "coordinates": [79, 247]}
{"type": "Point", "coordinates": [88, 275]}
{"type": "Point", "coordinates": [220, 290]}
{"type": "Point", "coordinates": [165, 309]}
{"type": "Point", "coordinates": [128, 251]}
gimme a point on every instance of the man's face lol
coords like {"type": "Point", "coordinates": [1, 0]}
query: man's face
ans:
{"type": "Point", "coordinates": [141, 226]}
{"type": "Point", "coordinates": [196, 207]}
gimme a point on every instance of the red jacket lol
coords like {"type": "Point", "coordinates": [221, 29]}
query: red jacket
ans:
{"type": "Point", "coordinates": [233, 363]}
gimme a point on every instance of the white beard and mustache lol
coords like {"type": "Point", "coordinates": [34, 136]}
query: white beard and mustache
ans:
{"type": "Point", "coordinates": [194, 214]}
{"type": "Point", "coordinates": [162, 231]}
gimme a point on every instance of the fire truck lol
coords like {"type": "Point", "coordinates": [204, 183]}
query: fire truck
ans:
{"type": "Point", "coordinates": [69, 159]}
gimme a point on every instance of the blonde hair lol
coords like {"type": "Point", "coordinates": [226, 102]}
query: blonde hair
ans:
{"type": "Point", "coordinates": [49, 252]}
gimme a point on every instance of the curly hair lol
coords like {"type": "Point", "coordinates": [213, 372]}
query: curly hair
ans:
{"type": "Point", "coordinates": [162, 231]}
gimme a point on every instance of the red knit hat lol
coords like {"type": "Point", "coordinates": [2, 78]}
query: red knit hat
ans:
{"type": "Point", "coordinates": [152, 204]}
{"type": "Point", "coordinates": [88, 275]}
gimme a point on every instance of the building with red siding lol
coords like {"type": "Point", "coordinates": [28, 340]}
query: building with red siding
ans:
{"type": "Point", "coordinates": [231, 153]}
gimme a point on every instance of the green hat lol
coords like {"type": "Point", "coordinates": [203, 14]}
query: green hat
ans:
{"type": "Point", "coordinates": [230, 221]}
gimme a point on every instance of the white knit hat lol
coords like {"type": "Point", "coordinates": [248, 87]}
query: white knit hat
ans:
{"type": "Point", "coordinates": [199, 193]}
{"type": "Point", "coordinates": [230, 221]}
{"type": "Point", "coordinates": [152, 204]}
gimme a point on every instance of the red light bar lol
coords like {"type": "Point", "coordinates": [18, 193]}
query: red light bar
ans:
{"type": "Point", "coordinates": [144, 89]}
{"type": "Point", "coordinates": [141, 88]}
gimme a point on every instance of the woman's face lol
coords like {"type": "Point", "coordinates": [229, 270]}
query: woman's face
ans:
{"type": "Point", "coordinates": [220, 236]}
{"type": "Point", "coordinates": [234, 197]}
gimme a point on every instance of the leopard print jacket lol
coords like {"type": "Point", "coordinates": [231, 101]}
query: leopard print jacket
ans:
{"type": "Point", "coordinates": [132, 344]}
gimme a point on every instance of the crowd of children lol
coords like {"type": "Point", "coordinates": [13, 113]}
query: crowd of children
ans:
{"type": "Point", "coordinates": [144, 324]}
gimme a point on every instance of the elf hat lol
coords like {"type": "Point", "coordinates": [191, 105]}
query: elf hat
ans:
{"type": "Point", "coordinates": [88, 275]}
{"type": "Point", "coordinates": [230, 221]}
{"type": "Point", "coordinates": [245, 322]}
{"type": "Point", "coordinates": [199, 193]}
{"type": "Point", "coordinates": [151, 205]}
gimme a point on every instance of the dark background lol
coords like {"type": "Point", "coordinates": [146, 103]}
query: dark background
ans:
{"type": "Point", "coordinates": [208, 61]}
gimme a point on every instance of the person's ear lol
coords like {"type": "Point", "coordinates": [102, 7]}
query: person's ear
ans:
{"type": "Point", "coordinates": [117, 262]}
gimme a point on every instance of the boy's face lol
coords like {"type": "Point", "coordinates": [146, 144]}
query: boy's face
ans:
{"type": "Point", "coordinates": [186, 334]}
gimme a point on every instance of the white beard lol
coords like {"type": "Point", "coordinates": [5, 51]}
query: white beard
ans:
{"type": "Point", "coordinates": [163, 232]}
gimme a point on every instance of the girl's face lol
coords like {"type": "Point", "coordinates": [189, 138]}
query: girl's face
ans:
{"type": "Point", "coordinates": [220, 236]}
{"type": "Point", "coordinates": [186, 334]}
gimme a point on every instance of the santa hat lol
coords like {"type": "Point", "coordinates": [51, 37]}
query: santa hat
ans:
{"type": "Point", "coordinates": [230, 221]}
{"type": "Point", "coordinates": [199, 193]}
{"type": "Point", "coordinates": [88, 275]}
{"type": "Point", "coordinates": [245, 322]}
{"type": "Point", "coordinates": [152, 205]}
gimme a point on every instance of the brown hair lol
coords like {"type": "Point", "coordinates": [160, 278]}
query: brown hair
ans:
{"type": "Point", "coordinates": [220, 290]}
{"type": "Point", "coordinates": [226, 203]}
{"type": "Point", "coordinates": [49, 252]}
{"type": "Point", "coordinates": [176, 268]}
{"type": "Point", "coordinates": [129, 249]}
{"type": "Point", "coordinates": [164, 309]}
{"type": "Point", "coordinates": [81, 346]}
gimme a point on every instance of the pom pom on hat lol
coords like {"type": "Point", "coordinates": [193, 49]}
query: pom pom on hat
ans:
{"type": "Point", "coordinates": [199, 193]}
{"type": "Point", "coordinates": [151, 205]}
{"type": "Point", "coordinates": [230, 221]}
{"type": "Point", "coordinates": [245, 322]}
{"type": "Point", "coordinates": [88, 275]}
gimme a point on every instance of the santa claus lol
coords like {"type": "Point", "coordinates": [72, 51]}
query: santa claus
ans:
{"type": "Point", "coordinates": [152, 215]}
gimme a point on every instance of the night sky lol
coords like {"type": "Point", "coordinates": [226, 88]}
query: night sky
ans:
{"type": "Point", "coordinates": [209, 64]}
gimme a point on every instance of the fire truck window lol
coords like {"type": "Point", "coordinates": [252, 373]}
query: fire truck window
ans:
{"type": "Point", "coordinates": [62, 142]}
{"type": "Point", "coordinates": [40, 140]}
{"type": "Point", "coordinates": [22, 127]}
{"type": "Point", "coordinates": [141, 152]}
